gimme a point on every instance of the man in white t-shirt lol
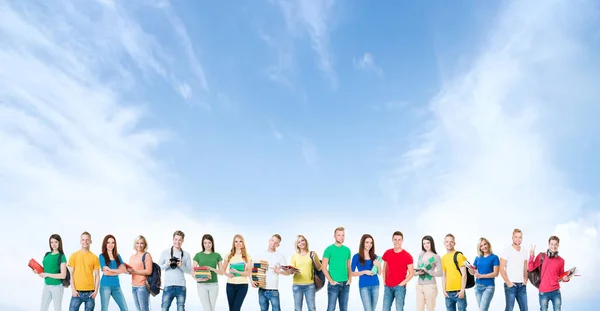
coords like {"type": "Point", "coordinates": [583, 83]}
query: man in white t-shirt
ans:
{"type": "Point", "coordinates": [513, 268]}
{"type": "Point", "coordinates": [270, 294]}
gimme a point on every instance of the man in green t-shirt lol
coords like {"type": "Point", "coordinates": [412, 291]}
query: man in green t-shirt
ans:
{"type": "Point", "coordinates": [338, 263]}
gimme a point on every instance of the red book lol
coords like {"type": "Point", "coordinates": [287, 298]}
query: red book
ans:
{"type": "Point", "coordinates": [35, 266]}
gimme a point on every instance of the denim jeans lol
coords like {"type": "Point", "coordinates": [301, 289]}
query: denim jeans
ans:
{"type": "Point", "coordinates": [266, 296]}
{"type": "Point", "coordinates": [106, 292]}
{"type": "Point", "coordinates": [172, 292]}
{"type": "Point", "coordinates": [519, 293]}
{"type": "Point", "coordinates": [52, 293]}
{"type": "Point", "coordinates": [390, 293]}
{"type": "Point", "coordinates": [452, 301]}
{"type": "Point", "coordinates": [306, 291]}
{"type": "Point", "coordinates": [141, 297]}
{"type": "Point", "coordinates": [484, 295]}
{"type": "Point", "coordinates": [235, 295]}
{"type": "Point", "coordinates": [83, 298]}
{"type": "Point", "coordinates": [369, 296]}
{"type": "Point", "coordinates": [553, 296]}
{"type": "Point", "coordinates": [338, 293]}
{"type": "Point", "coordinates": [208, 292]}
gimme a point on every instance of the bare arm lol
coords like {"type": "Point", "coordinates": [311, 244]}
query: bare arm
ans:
{"type": "Point", "coordinates": [503, 271]}
{"type": "Point", "coordinates": [96, 280]}
{"type": "Point", "coordinates": [525, 272]}
{"type": "Point", "coordinates": [325, 272]}
{"type": "Point", "coordinates": [490, 275]}
{"type": "Point", "coordinates": [444, 283]}
{"type": "Point", "coordinates": [61, 275]}
{"type": "Point", "coordinates": [317, 262]}
{"type": "Point", "coordinates": [411, 273]}
{"type": "Point", "coordinates": [463, 284]}
{"type": "Point", "coordinates": [349, 267]}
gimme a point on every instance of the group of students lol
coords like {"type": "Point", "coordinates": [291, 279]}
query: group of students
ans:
{"type": "Point", "coordinates": [336, 268]}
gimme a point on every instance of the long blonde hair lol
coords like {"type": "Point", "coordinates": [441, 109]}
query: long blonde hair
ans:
{"type": "Point", "coordinates": [232, 252]}
{"type": "Point", "coordinates": [479, 252]}
{"type": "Point", "coordinates": [298, 237]}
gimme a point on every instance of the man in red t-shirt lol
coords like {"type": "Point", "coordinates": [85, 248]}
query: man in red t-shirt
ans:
{"type": "Point", "coordinates": [551, 275]}
{"type": "Point", "coordinates": [397, 263]}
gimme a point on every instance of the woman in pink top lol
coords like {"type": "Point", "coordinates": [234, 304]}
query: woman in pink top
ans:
{"type": "Point", "coordinates": [138, 274]}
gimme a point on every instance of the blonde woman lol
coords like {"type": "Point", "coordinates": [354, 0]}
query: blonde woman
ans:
{"type": "Point", "coordinates": [304, 286]}
{"type": "Point", "coordinates": [239, 264]}
{"type": "Point", "coordinates": [141, 267]}
{"type": "Point", "coordinates": [486, 268]}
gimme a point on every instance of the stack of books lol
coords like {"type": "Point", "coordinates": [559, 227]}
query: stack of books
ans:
{"type": "Point", "coordinates": [239, 266]}
{"type": "Point", "coordinates": [258, 273]}
{"type": "Point", "coordinates": [202, 273]}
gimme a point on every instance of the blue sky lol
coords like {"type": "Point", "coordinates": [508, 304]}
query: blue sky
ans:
{"type": "Point", "coordinates": [216, 117]}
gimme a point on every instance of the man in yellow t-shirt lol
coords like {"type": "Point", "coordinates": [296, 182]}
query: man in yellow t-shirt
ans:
{"type": "Point", "coordinates": [85, 275]}
{"type": "Point", "coordinates": [454, 284]}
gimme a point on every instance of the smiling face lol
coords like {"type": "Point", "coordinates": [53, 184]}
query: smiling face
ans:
{"type": "Point", "coordinates": [397, 241]}
{"type": "Point", "coordinates": [449, 243]}
{"type": "Point", "coordinates": [517, 238]}
{"type": "Point", "coordinates": [238, 243]}
{"type": "Point", "coordinates": [340, 236]}
{"type": "Point", "coordinates": [484, 247]}
{"type": "Point", "coordinates": [110, 244]}
{"type": "Point", "coordinates": [177, 241]}
{"type": "Point", "coordinates": [208, 245]}
{"type": "Point", "coordinates": [427, 245]}
{"type": "Point", "coordinates": [54, 244]}
{"type": "Point", "coordinates": [368, 244]}
{"type": "Point", "coordinates": [140, 245]}
{"type": "Point", "coordinates": [553, 246]}
{"type": "Point", "coordinates": [273, 243]}
{"type": "Point", "coordinates": [85, 241]}
{"type": "Point", "coordinates": [301, 243]}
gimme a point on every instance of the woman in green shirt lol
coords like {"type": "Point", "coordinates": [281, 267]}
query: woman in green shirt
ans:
{"type": "Point", "coordinates": [55, 269]}
{"type": "Point", "coordinates": [208, 284]}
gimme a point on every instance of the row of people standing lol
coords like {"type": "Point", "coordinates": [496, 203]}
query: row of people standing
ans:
{"type": "Point", "coordinates": [337, 265]}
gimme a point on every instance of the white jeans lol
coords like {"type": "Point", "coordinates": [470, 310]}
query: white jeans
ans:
{"type": "Point", "coordinates": [208, 293]}
{"type": "Point", "coordinates": [52, 293]}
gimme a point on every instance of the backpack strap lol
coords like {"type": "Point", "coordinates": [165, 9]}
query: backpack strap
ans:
{"type": "Point", "coordinates": [144, 260]}
{"type": "Point", "coordinates": [456, 261]}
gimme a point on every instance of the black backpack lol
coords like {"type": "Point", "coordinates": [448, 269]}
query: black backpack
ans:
{"type": "Point", "coordinates": [153, 281]}
{"type": "Point", "coordinates": [66, 282]}
{"type": "Point", "coordinates": [470, 277]}
{"type": "Point", "coordinates": [535, 276]}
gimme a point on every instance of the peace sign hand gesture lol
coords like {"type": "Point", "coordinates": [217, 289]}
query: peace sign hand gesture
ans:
{"type": "Point", "coordinates": [532, 250]}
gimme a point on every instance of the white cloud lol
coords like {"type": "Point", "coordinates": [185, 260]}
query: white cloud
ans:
{"type": "Point", "coordinates": [367, 62]}
{"type": "Point", "coordinates": [312, 17]}
{"type": "Point", "coordinates": [485, 166]}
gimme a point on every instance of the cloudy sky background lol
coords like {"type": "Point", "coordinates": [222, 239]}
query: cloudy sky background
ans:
{"type": "Point", "coordinates": [297, 117]}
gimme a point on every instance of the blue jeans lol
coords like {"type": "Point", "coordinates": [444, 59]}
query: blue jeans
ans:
{"type": "Point", "coordinates": [141, 297]}
{"type": "Point", "coordinates": [452, 301]}
{"type": "Point", "coordinates": [517, 292]}
{"type": "Point", "coordinates": [335, 293]}
{"type": "Point", "coordinates": [368, 296]}
{"type": "Point", "coordinates": [106, 292]}
{"type": "Point", "coordinates": [390, 293]}
{"type": "Point", "coordinates": [484, 295]}
{"type": "Point", "coordinates": [83, 298]}
{"type": "Point", "coordinates": [308, 292]}
{"type": "Point", "coordinates": [266, 296]}
{"type": "Point", "coordinates": [172, 292]}
{"type": "Point", "coordinates": [553, 296]}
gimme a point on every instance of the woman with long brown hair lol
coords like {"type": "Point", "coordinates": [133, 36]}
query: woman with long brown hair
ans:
{"type": "Point", "coordinates": [239, 264]}
{"type": "Point", "coordinates": [55, 269]}
{"type": "Point", "coordinates": [429, 266]}
{"type": "Point", "coordinates": [367, 267]}
{"type": "Point", "coordinates": [112, 265]}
